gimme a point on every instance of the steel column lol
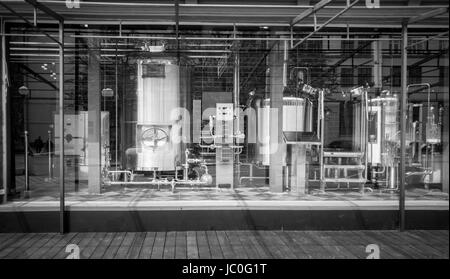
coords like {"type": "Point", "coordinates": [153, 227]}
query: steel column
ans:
{"type": "Point", "coordinates": [61, 128]}
{"type": "Point", "coordinates": [5, 142]}
{"type": "Point", "coordinates": [403, 104]}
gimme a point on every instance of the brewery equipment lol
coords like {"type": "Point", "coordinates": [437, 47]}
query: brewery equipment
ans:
{"type": "Point", "coordinates": [158, 99]}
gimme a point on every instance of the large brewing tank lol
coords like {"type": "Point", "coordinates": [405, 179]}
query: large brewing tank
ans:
{"type": "Point", "coordinates": [297, 117]}
{"type": "Point", "coordinates": [157, 129]}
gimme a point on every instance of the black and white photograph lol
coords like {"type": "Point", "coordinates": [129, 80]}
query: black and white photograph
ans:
{"type": "Point", "coordinates": [224, 136]}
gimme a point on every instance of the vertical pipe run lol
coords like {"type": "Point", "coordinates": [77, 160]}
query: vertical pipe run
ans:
{"type": "Point", "coordinates": [403, 125]}
{"type": "Point", "coordinates": [50, 172]}
{"type": "Point", "coordinates": [5, 169]}
{"type": "Point", "coordinates": [177, 23]}
{"type": "Point", "coordinates": [285, 62]}
{"type": "Point", "coordinates": [27, 179]}
{"type": "Point", "coordinates": [116, 113]}
{"type": "Point", "coordinates": [61, 128]}
{"type": "Point", "coordinates": [236, 87]}
{"type": "Point", "coordinates": [322, 140]}
{"type": "Point", "coordinates": [236, 100]}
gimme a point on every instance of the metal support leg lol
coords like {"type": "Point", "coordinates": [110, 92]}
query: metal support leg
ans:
{"type": "Point", "coordinates": [61, 129]}
{"type": "Point", "coordinates": [403, 125]}
{"type": "Point", "coordinates": [26, 193]}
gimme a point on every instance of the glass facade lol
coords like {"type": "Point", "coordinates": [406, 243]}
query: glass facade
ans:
{"type": "Point", "coordinates": [222, 114]}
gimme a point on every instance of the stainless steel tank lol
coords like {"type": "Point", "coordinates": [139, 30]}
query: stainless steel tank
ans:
{"type": "Point", "coordinates": [297, 117]}
{"type": "Point", "coordinates": [157, 127]}
{"type": "Point", "coordinates": [384, 129]}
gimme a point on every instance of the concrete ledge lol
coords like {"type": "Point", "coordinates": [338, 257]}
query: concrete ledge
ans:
{"type": "Point", "coordinates": [158, 219]}
{"type": "Point", "coordinates": [48, 206]}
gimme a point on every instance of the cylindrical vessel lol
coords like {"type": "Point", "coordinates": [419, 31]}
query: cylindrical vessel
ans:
{"type": "Point", "coordinates": [157, 128]}
{"type": "Point", "coordinates": [297, 117]}
{"type": "Point", "coordinates": [383, 129]}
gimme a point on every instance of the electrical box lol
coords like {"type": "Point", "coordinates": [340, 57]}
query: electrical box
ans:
{"type": "Point", "coordinates": [75, 142]}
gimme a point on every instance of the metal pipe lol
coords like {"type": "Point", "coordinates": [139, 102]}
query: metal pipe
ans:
{"type": "Point", "coordinates": [28, 22]}
{"type": "Point", "coordinates": [250, 178]}
{"type": "Point", "coordinates": [162, 182]}
{"type": "Point", "coordinates": [27, 180]}
{"type": "Point", "coordinates": [403, 105]}
{"type": "Point", "coordinates": [61, 129]}
{"type": "Point", "coordinates": [215, 38]}
{"type": "Point", "coordinates": [250, 169]}
{"type": "Point", "coordinates": [349, 6]}
{"type": "Point", "coordinates": [5, 141]}
{"type": "Point", "coordinates": [322, 122]}
{"type": "Point", "coordinates": [236, 88]}
{"type": "Point", "coordinates": [177, 24]}
{"type": "Point", "coordinates": [116, 111]}
{"type": "Point", "coordinates": [429, 39]}
{"type": "Point", "coordinates": [50, 163]}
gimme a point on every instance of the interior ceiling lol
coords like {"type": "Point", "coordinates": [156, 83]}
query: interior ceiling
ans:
{"type": "Point", "coordinates": [207, 12]}
{"type": "Point", "coordinates": [202, 19]}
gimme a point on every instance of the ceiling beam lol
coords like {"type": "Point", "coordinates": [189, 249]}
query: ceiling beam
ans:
{"type": "Point", "coordinates": [349, 6]}
{"type": "Point", "coordinates": [429, 58]}
{"type": "Point", "coordinates": [45, 9]}
{"type": "Point", "coordinates": [37, 76]}
{"type": "Point", "coordinates": [310, 11]}
{"type": "Point", "coordinates": [29, 23]}
{"type": "Point", "coordinates": [343, 59]}
{"type": "Point", "coordinates": [428, 15]}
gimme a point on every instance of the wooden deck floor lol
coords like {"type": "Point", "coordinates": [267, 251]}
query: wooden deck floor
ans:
{"type": "Point", "coordinates": [227, 244]}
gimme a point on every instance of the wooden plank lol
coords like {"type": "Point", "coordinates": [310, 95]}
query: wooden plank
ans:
{"type": "Point", "coordinates": [4, 237]}
{"type": "Point", "coordinates": [54, 238]}
{"type": "Point", "coordinates": [296, 248]}
{"type": "Point", "coordinates": [38, 245]}
{"type": "Point", "coordinates": [284, 249]}
{"type": "Point", "coordinates": [432, 238]}
{"type": "Point", "coordinates": [214, 246]}
{"type": "Point", "coordinates": [317, 252]}
{"type": "Point", "coordinates": [409, 244]}
{"type": "Point", "coordinates": [225, 246]}
{"type": "Point", "coordinates": [169, 246]}
{"type": "Point", "coordinates": [60, 245]}
{"type": "Point", "coordinates": [136, 247]}
{"type": "Point", "coordinates": [87, 251]}
{"type": "Point", "coordinates": [401, 243]}
{"type": "Point", "coordinates": [203, 246]}
{"type": "Point", "coordinates": [269, 241]}
{"type": "Point", "coordinates": [125, 246]}
{"type": "Point", "coordinates": [158, 246]}
{"type": "Point", "coordinates": [311, 246]}
{"type": "Point", "coordinates": [111, 251]}
{"type": "Point", "coordinates": [259, 245]}
{"type": "Point", "coordinates": [301, 238]}
{"type": "Point", "coordinates": [78, 238]}
{"type": "Point", "coordinates": [5, 248]}
{"type": "Point", "coordinates": [336, 250]}
{"type": "Point", "coordinates": [192, 246]}
{"type": "Point", "coordinates": [20, 251]}
{"type": "Point", "coordinates": [247, 244]}
{"type": "Point", "coordinates": [180, 245]}
{"type": "Point", "coordinates": [355, 245]}
{"type": "Point", "coordinates": [102, 246]}
{"type": "Point", "coordinates": [147, 246]}
{"type": "Point", "coordinates": [431, 248]}
{"type": "Point", "coordinates": [386, 249]}
{"type": "Point", "coordinates": [20, 241]}
{"type": "Point", "coordinates": [233, 239]}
